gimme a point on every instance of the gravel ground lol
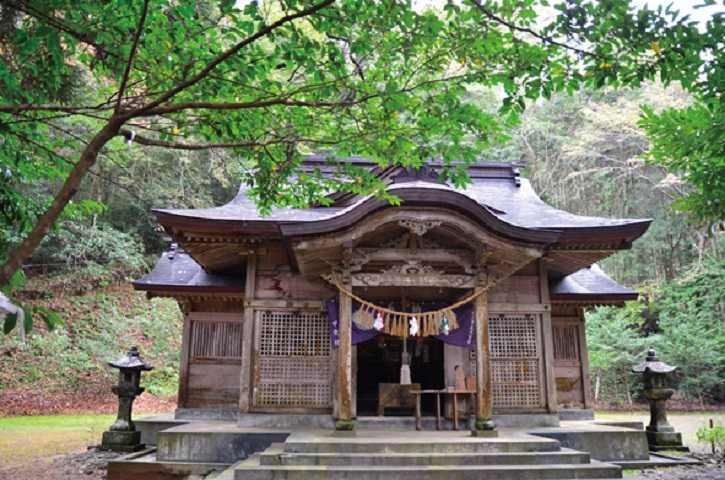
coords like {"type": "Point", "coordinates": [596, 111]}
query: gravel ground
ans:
{"type": "Point", "coordinates": [87, 465]}
{"type": "Point", "coordinates": [697, 472]}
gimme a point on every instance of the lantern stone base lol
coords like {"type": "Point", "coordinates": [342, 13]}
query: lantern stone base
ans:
{"type": "Point", "coordinates": [122, 441]}
{"type": "Point", "coordinates": [659, 441]}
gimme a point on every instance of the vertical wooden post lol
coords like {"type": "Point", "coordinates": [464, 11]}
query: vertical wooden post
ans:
{"type": "Point", "coordinates": [183, 396]}
{"type": "Point", "coordinates": [484, 391]}
{"type": "Point", "coordinates": [547, 333]}
{"type": "Point", "coordinates": [584, 361]}
{"type": "Point", "coordinates": [344, 362]}
{"type": "Point", "coordinates": [245, 380]}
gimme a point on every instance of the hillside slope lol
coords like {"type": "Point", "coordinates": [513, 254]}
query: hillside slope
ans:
{"type": "Point", "coordinates": [64, 370]}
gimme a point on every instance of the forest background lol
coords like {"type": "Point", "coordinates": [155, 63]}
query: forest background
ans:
{"type": "Point", "coordinates": [586, 151]}
{"type": "Point", "coordinates": [583, 153]}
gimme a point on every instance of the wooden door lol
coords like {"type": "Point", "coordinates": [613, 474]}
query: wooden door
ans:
{"type": "Point", "coordinates": [566, 332]}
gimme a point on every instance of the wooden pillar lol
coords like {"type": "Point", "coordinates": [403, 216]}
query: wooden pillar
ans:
{"type": "Point", "coordinates": [484, 392]}
{"type": "Point", "coordinates": [584, 361]}
{"type": "Point", "coordinates": [547, 333]}
{"type": "Point", "coordinates": [344, 363]}
{"type": "Point", "coordinates": [245, 380]}
{"type": "Point", "coordinates": [183, 395]}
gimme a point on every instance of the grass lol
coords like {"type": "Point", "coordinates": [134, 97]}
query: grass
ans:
{"type": "Point", "coordinates": [686, 423]}
{"type": "Point", "coordinates": [28, 439]}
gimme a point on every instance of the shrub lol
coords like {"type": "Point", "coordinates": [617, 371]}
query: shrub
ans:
{"type": "Point", "coordinates": [714, 435]}
{"type": "Point", "coordinates": [77, 245]}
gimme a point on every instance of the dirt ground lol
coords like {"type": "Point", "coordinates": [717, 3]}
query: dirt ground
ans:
{"type": "Point", "coordinates": [708, 471]}
{"type": "Point", "coordinates": [86, 465]}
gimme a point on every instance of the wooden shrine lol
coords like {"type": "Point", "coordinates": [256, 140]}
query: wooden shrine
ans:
{"type": "Point", "coordinates": [256, 294]}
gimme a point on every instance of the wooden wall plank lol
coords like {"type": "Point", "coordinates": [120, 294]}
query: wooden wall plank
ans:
{"type": "Point", "coordinates": [516, 289]}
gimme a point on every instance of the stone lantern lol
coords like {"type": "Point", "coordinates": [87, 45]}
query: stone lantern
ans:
{"type": "Point", "coordinates": [656, 377]}
{"type": "Point", "coordinates": [122, 436]}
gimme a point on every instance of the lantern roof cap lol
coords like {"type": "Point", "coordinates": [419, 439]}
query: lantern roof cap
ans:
{"type": "Point", "coordinates": [132, 360]}
{"type": "Point", "coordinates": [653, 364]}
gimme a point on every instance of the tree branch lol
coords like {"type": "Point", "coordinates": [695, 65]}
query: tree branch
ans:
{"type": "Point", "coordinates": [227, 54]}
{"type": "Point", "coordinates": [31, 107]}
{"type": "Point", "coordinates": [531, 32]}
{"type": "Point", "coordinates": [134, 48]}
{"type": "Point", "coordinates": [152, 142]}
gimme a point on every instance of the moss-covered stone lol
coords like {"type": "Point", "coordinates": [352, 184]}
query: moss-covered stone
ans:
{"type": "Point", "coordinates": [345, 425]}
{"type": "Point", "coordinates": [483, 424]}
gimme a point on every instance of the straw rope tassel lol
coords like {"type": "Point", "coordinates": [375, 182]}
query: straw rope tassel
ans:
{"type": "Point", "coordinates": [397, 323]}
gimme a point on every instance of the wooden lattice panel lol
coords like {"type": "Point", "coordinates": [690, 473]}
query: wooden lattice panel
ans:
{"type": "Point", "coordinates": [216, 340]}
{"type": "Point", "coordinates": [566, 342]}
{"type": "Point", "coordinates": [515, 344]}
{"type": "Point", "coordinates": [292, 367]}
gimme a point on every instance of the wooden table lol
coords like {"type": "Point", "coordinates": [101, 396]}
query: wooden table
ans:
{"type": "Point", "coordinates": [439, 421]}
{"type": "Point", "coordinates": [395, 395]}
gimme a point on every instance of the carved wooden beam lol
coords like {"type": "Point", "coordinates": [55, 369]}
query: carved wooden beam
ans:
{"type": "Point", "coordinates": [463, 258]}
{"type": "Point", "coordinates": [413, 280]}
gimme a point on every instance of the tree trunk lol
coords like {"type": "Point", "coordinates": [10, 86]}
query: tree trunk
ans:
{"type": "Point", "coordinates": [597, 383]}
{"type": "Point", "coordinates": [26, 248]}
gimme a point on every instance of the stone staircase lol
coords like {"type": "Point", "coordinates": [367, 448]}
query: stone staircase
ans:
{"type": "Point", "coordinates": [420, 456]}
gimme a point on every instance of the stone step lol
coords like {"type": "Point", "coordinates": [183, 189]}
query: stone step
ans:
{"type": "Point", "coordinates": [420, 442]}
{"type": "Point", "coordinates": [277, 456]}
{"type": "Point", "coordinates": [254, 471]}
{"type": "Point", "coordinates": [213, 442]}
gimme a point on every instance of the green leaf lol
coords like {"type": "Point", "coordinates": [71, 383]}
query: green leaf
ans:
{"type": "Point", "coordinates": [10, 321]}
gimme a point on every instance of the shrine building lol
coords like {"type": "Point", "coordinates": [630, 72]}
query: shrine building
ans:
{"type": "Point", "coordinates": [333, 314]}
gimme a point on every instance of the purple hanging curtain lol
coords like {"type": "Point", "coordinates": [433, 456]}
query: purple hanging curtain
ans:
{"type": "Point", "coordinates": [463, 336]}
{"type": "Point", "coordinates": [333, 315]}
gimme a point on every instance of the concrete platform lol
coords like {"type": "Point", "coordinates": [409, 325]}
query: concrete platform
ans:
{"type": "Point", "coordinates": [286, 422]}
{"type": "Point", "coordinates": [213, 442]}
{"type": "Point", "coordinates": [386, 441]}
{"type": "Point", "coordinates": [316, 422]}
{"type": "Point", "coordinates": [420, 455]}
{"type": "Point", "coordinates": [248, 470]}
{"type": "Point", "coordinates": [276, 455]}
{"type": "Point", "coordinates": [604, 442]}
{"type": "Point", "coordinates": [576, 414]}
{"type": "Point", "coordinates": [151, 425]}
{"type": "Point", "coordinates": [144, 465]}
{"type": "Point", "coordinates": [224, 450]}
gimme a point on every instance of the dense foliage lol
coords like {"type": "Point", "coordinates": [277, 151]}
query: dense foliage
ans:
{"type": "Point", "coordinates": [273, 80]}
{"type": "Point", "coordinates": [688, 331]}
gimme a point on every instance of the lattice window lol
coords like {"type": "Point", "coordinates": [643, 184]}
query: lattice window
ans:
{"type": "Point", "coordinates": [515, 343]}
{"type": "Point", "coordinates": [293, 360]}
{"type": "Point", "coordinates": [566, 342]}
{"type": "Point", "coordinates": [216, 340]}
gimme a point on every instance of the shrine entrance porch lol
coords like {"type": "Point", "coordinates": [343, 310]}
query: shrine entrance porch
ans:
{"type": "Point", "coordinates": [379, 391]}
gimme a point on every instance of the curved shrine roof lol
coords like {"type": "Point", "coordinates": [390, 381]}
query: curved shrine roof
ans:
{"type": "Point", "coordinates": [590, 283]}
{"type": "Point", "coordinates": [176, 271]}
{"type": "Point", "coordinates": [495, 189]}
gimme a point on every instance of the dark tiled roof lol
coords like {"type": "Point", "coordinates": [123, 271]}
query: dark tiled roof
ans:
{"type": "Point", "coordinates": [590, 283]}
{"type": "Point", "coordinates": [176, 270]}
{"type": "Point", "coordinates": [496, 188]}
